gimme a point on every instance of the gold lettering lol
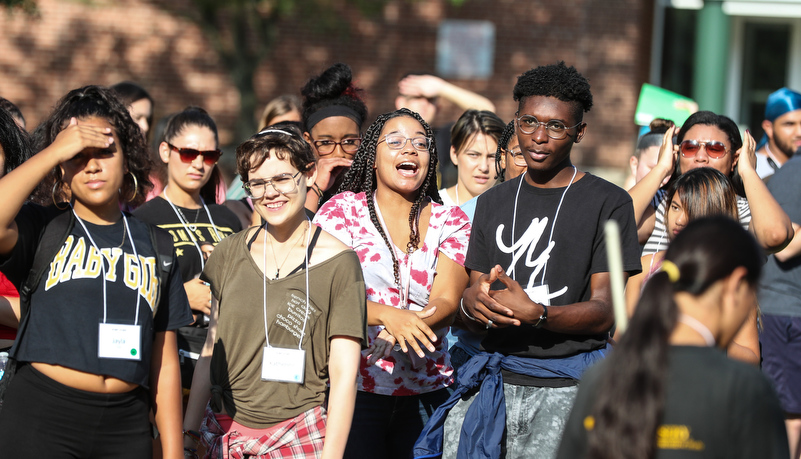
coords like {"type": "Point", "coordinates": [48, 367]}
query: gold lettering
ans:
{"type": "Point", "coordinates": [75, 260]}
{"type": "Point", "coordinates": [57, 265]}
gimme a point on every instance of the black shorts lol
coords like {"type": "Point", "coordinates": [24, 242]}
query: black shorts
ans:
{"type": "Point", "coordinates": [190, 343]}
{"type": "Point", "coordinates": [780, 338]}
{"type": "Point", "coordinates": [44, 418]}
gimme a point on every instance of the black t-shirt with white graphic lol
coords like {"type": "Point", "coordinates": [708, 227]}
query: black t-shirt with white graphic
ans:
{"type": "Point", "coordinates": [577, 251]}
{"type": "Point", "coordinates": [158, 212]}
{"type": "Point", "coordinates": [67, 307]}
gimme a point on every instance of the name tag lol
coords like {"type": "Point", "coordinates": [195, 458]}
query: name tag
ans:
{"type": "Point", "coordinates": [118, 341]}
{"type": "Point", "coordinates": [283, 365]}
{"type": "Point", "coordinates": [539, 294]}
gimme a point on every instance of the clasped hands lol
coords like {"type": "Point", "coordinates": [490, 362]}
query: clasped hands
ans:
{"type": "Point", "coordinates": [510, 306]}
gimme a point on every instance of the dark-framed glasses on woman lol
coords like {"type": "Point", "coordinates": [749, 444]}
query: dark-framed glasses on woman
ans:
{"type": "Point", "coordinates": [282, 183]}
{"type": "Point", "coordinates": [349, 146]}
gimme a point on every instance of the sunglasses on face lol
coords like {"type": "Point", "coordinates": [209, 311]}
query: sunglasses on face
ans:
{"type": "Point", "coordinates": [714, 149]}
{"type": "Point", "coordinates": [210, 157]}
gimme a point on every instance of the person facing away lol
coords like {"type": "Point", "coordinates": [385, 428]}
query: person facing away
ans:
{"type": "Point", "coordinates": [668, 390]}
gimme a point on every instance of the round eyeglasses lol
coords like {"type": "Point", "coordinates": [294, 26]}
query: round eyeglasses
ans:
{"type": "Point", "coordinates": [517, 156]}
{"type": "Point", "coordinates": [282, 183]}
{"type": "Point", "coordinates": [397, 142]}
{"type": "Point", "coordinates": [556, 130]}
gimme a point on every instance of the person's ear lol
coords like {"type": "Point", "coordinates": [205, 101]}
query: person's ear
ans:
{"type": "Point", "coordinates": [767, 126]}
{"type": "Point", "coordinates": [736, 292]}
{"type": "Point", "coordinates": [633, 163]}
{"type": "Point", "coordinates": [164, 152]}
{"type": "Point", "coordinates": [580, 132]}
{"type": "Point", "coordinates": [454, 157]}
{"type": "Point", "coordinates": [311, 175]}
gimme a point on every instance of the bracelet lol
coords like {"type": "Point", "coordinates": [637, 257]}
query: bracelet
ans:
{"type": "Point", "coordinates": [464, 311]}
{"type": "Point", "coordinates": [316, 188]}
{"type": "Point", "coordinates": [543, 317]}
{"type": "Point", "coordinates": [190, 453]}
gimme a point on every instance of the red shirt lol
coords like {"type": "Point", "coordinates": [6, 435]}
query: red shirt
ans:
{"type": "Point", "coordinates": [7, 289]}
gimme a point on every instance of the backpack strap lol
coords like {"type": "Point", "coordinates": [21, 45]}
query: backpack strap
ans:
{"type": "Point", "coordinates": [50, 242]}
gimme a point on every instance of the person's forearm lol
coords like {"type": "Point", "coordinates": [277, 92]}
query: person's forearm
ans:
{"type": "Point", "coordinates": [444, 315]}
{"type": "Point", "coordinates": [588, 317]}
{"type": "Point", "coordinates": [166, 387]}
{"type": "Point", "coordinates": [644, 191]}
{"type": "Point", "coordinates": [9, 311]}
{"type": "Point", "coordinates": [343, 367]}
{"type": "Point", "coordinates": [770, 224]}
{"type": "Point", "coordinates": [793, 249]}
{"type": "Point", "coordinates": [465, 99]}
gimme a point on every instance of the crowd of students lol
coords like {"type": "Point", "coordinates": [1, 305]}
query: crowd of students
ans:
{"type": "Point", "coordinates": [309, 314]}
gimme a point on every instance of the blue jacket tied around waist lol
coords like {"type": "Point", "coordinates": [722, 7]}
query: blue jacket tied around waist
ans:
{"type": "Point", "coordinates": [485, 421]}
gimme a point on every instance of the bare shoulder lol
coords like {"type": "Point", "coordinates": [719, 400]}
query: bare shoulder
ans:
{"type": "Point", "coordinates": [327, 247]}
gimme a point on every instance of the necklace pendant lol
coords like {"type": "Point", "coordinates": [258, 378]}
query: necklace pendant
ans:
{"type": "Point", "coordinates": [276, 273]}
{"type": "Point", "coordinates": [192, 228]}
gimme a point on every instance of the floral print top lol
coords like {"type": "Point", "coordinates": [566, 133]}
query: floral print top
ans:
{"type": "Point", "coordinates": [347, 217]}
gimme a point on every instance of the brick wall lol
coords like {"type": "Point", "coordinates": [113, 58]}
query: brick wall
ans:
{"type": "Point", "coordinates": [105, 41]}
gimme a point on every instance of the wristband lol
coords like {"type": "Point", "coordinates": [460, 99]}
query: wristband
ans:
{"type": "Point", "coordinates": [464, 311]}
{"type": "Point", "coordinates": [543, 317]}
{"type": "Point", "coordinates": [317, 190]}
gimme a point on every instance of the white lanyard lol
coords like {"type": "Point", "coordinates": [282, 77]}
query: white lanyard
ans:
{"type": "Point", "coordinates": [405, 281]}
{"type": "Point", "coordinates": [264, 276]}
{"type": "Point", "coordinates": [553, 223]}
{"type": "Point", "coordinates": [103, 265]}
{"type": "Point", "coordinates": [186, 225]}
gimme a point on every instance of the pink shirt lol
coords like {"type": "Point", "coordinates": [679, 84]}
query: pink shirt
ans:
{"type": "Point", "coordinates": [347, 217]}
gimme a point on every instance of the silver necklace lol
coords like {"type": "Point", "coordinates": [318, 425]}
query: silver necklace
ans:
{"type": "Point", "coordinates": [192, 226]}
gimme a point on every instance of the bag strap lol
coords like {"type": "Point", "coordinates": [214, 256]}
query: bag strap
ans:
{"type": "Point", "coordinates": [50, 242]}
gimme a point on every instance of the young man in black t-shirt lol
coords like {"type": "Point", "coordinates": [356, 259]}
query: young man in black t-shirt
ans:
{"type": "Point", "coordinates": [539, 282]}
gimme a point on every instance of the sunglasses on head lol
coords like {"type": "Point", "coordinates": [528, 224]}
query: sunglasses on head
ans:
{"type": "Point", "coordinates": [715, 149]}
{"type": "Point", "coordinates": [210, 157]}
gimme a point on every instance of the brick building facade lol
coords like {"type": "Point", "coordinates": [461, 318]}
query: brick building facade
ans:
{"type": "Point", "coordinates": [72, 43]}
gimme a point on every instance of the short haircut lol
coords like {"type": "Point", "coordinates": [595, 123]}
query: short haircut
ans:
{"type": "Point", "coordinates": [559, 81]}
{"type": "Point", "coordinates": [284, 139]}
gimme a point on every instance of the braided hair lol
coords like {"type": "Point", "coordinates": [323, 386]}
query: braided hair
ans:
{"type": "Point", "coordinates": [361, 178]}
{"type": "Point", "coordinates": [503, 143]}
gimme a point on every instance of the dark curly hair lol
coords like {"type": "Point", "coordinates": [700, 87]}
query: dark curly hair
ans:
{"type": "Point", "coordinates": [559, 81]}
{"type": "Point", "coordinates": [196, 116]}
{"type": "Point", "coordinates": [503, 143]}
{"type": "Point", "coordinates": [252, 153]}
{"type": "Point", "coordinates": [12, 109]}
{"type": "Point", "coordinates": [361, 178]}
{"type": "Point", "coordinates": [332, 87]}
{"type": "Point", "coordinates": [101, 102]}
{"type": "Point", "coordinates": [15, 143]}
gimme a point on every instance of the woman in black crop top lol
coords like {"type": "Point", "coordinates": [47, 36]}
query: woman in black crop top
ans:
{"type": "Point", "coordinates": [97, 349]}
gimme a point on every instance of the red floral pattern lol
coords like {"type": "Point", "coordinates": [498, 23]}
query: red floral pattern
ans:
{"type": "Point", "coordinates": [347, 218]}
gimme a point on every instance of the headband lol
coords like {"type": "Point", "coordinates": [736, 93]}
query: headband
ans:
{"type": "Point", "coordinates": [783, 101]}
{"type": "Point", "coordinates": [333, 110]}
{"type": "Point", "coordinates": [278, 131]}
{"type": "Point", "coordinates": [671, 270]}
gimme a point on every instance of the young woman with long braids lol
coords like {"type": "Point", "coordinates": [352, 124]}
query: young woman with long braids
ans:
{"type": "Point", "coordinates": [187, 209]}
{"type": "Point", "coordinates": [412, 251]}
{"type": "Point", "coordinates": [667, 390]}
{"type": "Point", "coordinates": [77, 391]}
{"type": "Point", "coordinates": [308, 288]}
{"type": "Point", "coordinates": [332, 116]}
{"type": "Point", "coordinates": [474, 139]}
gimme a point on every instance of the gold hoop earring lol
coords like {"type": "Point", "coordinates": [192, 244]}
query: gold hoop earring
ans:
{"type": "Point", "coordinates": [136, 186]}
{"type": "Point", "coordinates": [53, 195]}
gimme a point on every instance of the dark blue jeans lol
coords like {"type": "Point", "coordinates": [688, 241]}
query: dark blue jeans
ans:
{"type": "Point", "coordinates": [386, 426]}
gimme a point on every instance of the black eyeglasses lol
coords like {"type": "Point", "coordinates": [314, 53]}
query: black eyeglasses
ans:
{"type": "Point", "coordinates": [349, 146]}
{"type": "Point", "coordinates": [188, 155]}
